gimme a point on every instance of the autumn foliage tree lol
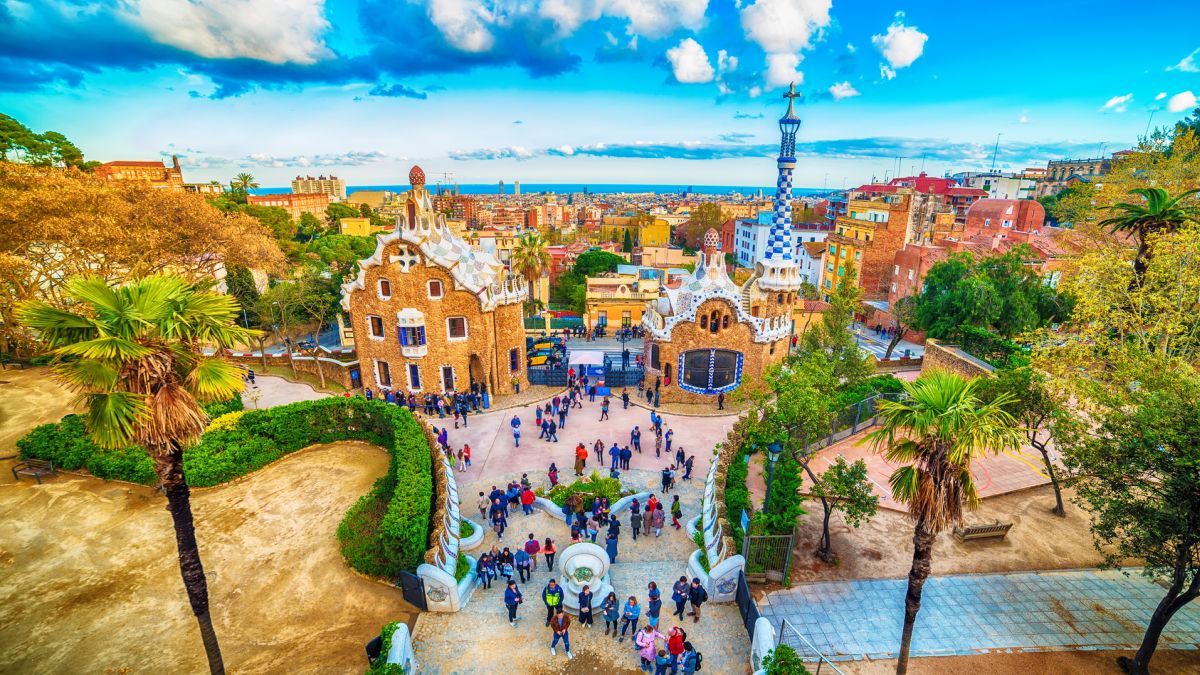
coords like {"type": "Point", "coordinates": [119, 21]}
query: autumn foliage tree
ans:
{"type": "Point", "coordinates": [63, 223]}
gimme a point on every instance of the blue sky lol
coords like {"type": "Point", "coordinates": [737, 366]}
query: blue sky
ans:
{"type": "Point", "coordinates": [594, 91]}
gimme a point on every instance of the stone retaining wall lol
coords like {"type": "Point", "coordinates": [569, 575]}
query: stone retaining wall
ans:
{"type": "Point", "coordinates": [939, 356]}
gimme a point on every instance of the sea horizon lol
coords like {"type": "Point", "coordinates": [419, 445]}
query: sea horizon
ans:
{"type": "Point", "coordinates": [576, 188]}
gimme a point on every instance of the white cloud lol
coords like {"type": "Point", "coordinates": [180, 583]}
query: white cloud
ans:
{"type": "Point", "coordinates": [780, 26]}
{"type": "Point", "coordinates": [781, 70]}
{"type": "Point", "coordinates": [1188, 63]}
{"type": "Point", "coordinates": [901, 45]}
{"type": "Point", "coordinates": [1024, 118]}
{"type": "Point", "coordinates": [464, 23]}
{"type": "Point", "coordinates": [1117, 104]}
{"type": "Point", "coordinates": [886, 73]}
{"type": "Point", "coordinates": [843, 90]}
{"type": "Point", "coordinates": [1161, 96]}
{"type": "Point", "coordinates": [566, 150]}
{"type": "Point", "coordinates": [1181, 102]}
{"type": "Point", "coordinates": [726, 63]}
{"type": "Point", "coordinates": [652, 18]}
{"type": "Point", "coordinates": [275, 31]}
{"type": "Point", "coordinates": [689, 62]}
{"type": "Point", "coordinates": [754, 92]}
{"type": "Point", "coordinates": [850, 48]}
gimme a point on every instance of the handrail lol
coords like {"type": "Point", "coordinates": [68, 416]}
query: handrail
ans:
{"type": "Point", "coordinates": [821, 660]}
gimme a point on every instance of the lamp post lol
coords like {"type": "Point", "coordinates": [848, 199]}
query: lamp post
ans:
{"type": "Point", "coordinates": [773, 452]}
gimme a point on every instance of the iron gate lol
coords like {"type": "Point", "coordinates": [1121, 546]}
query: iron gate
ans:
{"type": "Point", "coordinates": [746, 605]}
{"type": "Point", "coordinates": [545, 375]}
{"type": "Point", "coordinates": [768, 553]}
{"type": "Point", "coordinates": [413, 588]}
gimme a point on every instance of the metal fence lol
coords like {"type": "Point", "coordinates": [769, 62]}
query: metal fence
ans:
{"type": "Point", "coordinates": [619, 372]}
{"type": "Point", "coordinates": [768, 552]}
{"type": "Point", "coordinates": [746, 605]}
{"type": "Point", "coordinates": [546, 375]}
{"type": "Point", "coordinates": [788, 635]}
{"type": "Point", "coordinates": [853, 419]}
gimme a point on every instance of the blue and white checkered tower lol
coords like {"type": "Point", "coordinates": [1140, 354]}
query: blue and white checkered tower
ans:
{"type": "Point", "coordinates": [780, 270]}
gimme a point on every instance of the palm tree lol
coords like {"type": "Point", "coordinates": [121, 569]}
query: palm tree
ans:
{"type": "Point", "coordinates": [937, 431]}
{"type": "Point", "coordinates": [1158, 212]}
{"type": "Point", "coordinates": [243, 182]}
{"type": "Point", "coordinates": [133, 354]}
{"type": "Point", "coordinates": [530, 257]}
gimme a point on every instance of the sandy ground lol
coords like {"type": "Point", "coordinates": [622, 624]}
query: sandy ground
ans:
{"type": "Point", "coordinates": [89, 580]}
{"type": "Point", "coordinates": [1051, 663]}
{"type": "Point", "coordinates": [28, 398]}
{"type": "Point", "coordinates": [882, 548]}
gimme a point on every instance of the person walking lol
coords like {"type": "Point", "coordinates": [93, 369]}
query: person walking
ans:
{"type": "Point", "coordinates": [679, 595]}
{"type": "Point", "coordinates": [610, 546]}
{"type": "Point", "coordinates": [527, 497]}
{"type": "Point", "coordinates": [467, 454]}
{"type": "Point", "coordinates": [635, 518]}
{"type": "Point", "coordinates": [658, 442]}
{"type": "Point", "coordinates": [604, 409]}
{"type": "Point", "coordinates": [625, 399]}
{"type": "Point", "coordinates": [676, 513]}
{"type": "Point", "coordinates": [552, 597]}
{"type": "Point", "coordinates": [552, 433]}
{"type": "Point", "coordinates": [635, 438]}
{"type": "Point", "coordinates": [562, 416]}
{"type": "Point", "coordinates": [484, 504]}
{"type": "Point", "coordinates": [697, 596]}
{"type": "Point", "coordinates": [483, 577]}
{"type": "Point", "coordinates": [515, 423]}
{"type": "Point", "coordinates": [499, 519]}
{"type": "Point", "coordinates": [505, 565]}
{"type": "Point", "coordinates": [548, 551]}
{"type": "Point", "coordinates": [512, 598]}
{"type": "Point", "coordinates": [646, 642]}
{"type": "Point", "coordinates": [593, 529]}
{"type": "Point", "coordinates": [669, 437]}
{"type": "Point", "coordinates": [658, 519]}
{"type": "Point", "coordinates": [721, 401]}
{"type": "Point", "coordinates": [630, 614]}
{"type": "Point", "coordinates": [648, 517]}
{"type": "Point", "coordinates": [522, 561]}
{"type": "Point", "coordinates": [679, 456]}
{"type": "Point", "coordinates": [653, 605]}
{"type": "Point", "coordinates": [611, 612]}
{"type": "Point", "coordinates": [687, 466]}
{"type": "Point", "coordinates": [598, 451]}
{"type": "Point", "coordinates": [580, 457]}
{"type": "Point", "coordinates": [626, 455]}
{"type": "Point", "coordinates": [561, 624]}
{"type": "Point", "coordinates": [585, 606]}
{"type": "Point", "coordinates": [666, 479]}
{"type": "Point", "coordinates": [552, 474]}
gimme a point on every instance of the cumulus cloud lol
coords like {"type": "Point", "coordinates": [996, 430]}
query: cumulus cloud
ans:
{"type": "Point", "coordinates": [782, 70]}
{"type": "Point", "coordinates": [842, 90]}
{"type": "Point", "coordinates": [1161, 96]}
{"type": "Point", "coordinates": [397, 91]}
{"type": "Point", "coordinates": [1188, 63]}
{"type": "Point", "coordinates": [512, 152]}
{"type": "Point", "coordinates": [1181, 102]}
{"type": "Point", "coordinates": [259, 159]}
{"type": "Point", "coordinates": [273, 31]}
{"type": "Point", "coordinates": [900, 46]}
{"type": "Point", "coordinates": [464, 23]}
{"type": "Point", "coordinates": [1117, 104]}
{"type": "Point", "coordinates": [780, 26]}
{"type": "Point", "coordinates": [689, 63]}
{"type": "Point", "coordinates": [1024, 118]}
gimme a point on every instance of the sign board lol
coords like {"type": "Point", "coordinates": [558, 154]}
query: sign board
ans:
{"type": "Point", "coordinates": [745, 521]}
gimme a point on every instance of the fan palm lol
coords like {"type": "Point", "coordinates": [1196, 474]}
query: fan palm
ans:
{"type": "Point", "coordinates": [133, 354]}
{"type": "Point", "coordinates": [530, 257]}
{"type": "Point", "coordinates": [936, 432]}
{"type": "Point", "coordinates": [244, 182]}
{"type": "Point", "coordinates": [1158, 212]}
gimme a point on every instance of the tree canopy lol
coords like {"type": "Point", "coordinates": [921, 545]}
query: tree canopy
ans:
{"type": "Point", "coordinates": [19, 143]}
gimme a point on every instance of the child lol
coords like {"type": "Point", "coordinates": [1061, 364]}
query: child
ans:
{"type": "Point", "coordinates": [662, 662]}
{"type": "Point", "coordinates": [467, 454]}
{"type": "Point", "coordinates": [461, 463]}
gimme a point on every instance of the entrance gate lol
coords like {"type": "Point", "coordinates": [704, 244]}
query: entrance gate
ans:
{"type": "Point", "coordinates": [768, 553]}
{"type": "Point", "coordinates": [413, 588]}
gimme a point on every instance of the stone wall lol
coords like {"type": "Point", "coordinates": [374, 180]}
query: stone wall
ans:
{"type": "Point", "coordinates": [483, 354]}
{"type": "Point", "coordinates": [952, 358]}
{"type": "Point", "coordinates": [335, 370]}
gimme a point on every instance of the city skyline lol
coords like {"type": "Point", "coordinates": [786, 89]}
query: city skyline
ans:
{"type": "Point", "coordinates": [587, 91]}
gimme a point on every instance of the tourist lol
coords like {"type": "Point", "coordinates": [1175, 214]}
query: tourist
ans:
{"type": "Point", "coordinates": [604, 511]}
{"type": "Point", "coordinates": [598, 450]}
{"type": "Point", "coordinates": [481, 570]}
{"type": "Point", "coordinates": [522, 562]}
{"type": "Point", "coordinates": [610, 546]}
{"type": "Point", "coordinates": [675, 639]}
{"type": "Point", "coordinates": [611, 613]}
{"type": "Point", "coordinates": [562, 417]}
{"type": "Point", "coordinates": [697, 596]}
{"type": "Point", "coordinates": [576, 535]}
{"type": "Point", "coordinates": [658, 442]}
{"type": "Point", "coordinates": [626, 455]}
{"type": "Point", "coordinates": [506, 565]}
{"type": "Point", "coordinates": [635, 438]}
{"type": "Point", "coordinates": [560, 624]}
{"type": "Point", "coordinates": [670, 436]}
{"type": "Point", "coordinates": [527, 497]}
{"type": "Point", "coordinates": [690, 660]}
{"type": "Point", "coordinates": [648, 515]}
{"type": "Point", "coordinates": [658, 519]}
{"type": "Point", "coordinates": [630, 614]}
{"type": "Point", "coordinates": [552, 433]}
{"type": "Point", "coordinates": [614, 527]}
{"type": "Point", "coordinates": [585, 606]}
{"type": "Point", "coordinates": [552, 597]}
{"type": "Point", "coordinates": [687, 466]}
{"type": "Point", "coordinates": [593, 529]}
{"type": "Point", "coordinates": [676, 513]}
{"type": "Point", "coordinates": [646, 642]}
{"type": "Point", "coordinates": [721, 401]}
{"type": "Point", "coordinates": [666, 479]}
{"type": "Point", "coordinates": [680, 456]}
{"type": "Point", "coordinates": [651, 502]}
{"type": "Point", "coordinates": [635, 518]}
{"type": "Point", "coordinates": [537, 415]}
{"type": "Point", "coordinates": [499, 519]}
{"type": "Point", "coordinates": [516, 430]}
{"type": "Point", "coordinates": [604, 409]}
{"type": "Point", "coordinates": [467, 454]}
{"type": "Point", "coordinates": [544, 425]}
{"type": "Point", "coordinates": [614, 459]}
{"type": "Point", "coordinates": [512, 598]}
{"type": "Point", "coordinates": [591, 392]}
{"type": "Point", "coordinates": [653, 604]}
{"type": "Point", "coordinates": [679, 595]}
{"type": "Point", "coordinates": [483, 505]}
{"type": "Point", "coordinates": [548, 550]}
{"type": "Point", "coordinates": [625, 399]}
{"type": "Point", "coordinates": [460, 465]}
{"type": "Point", "coordinates": [580, 454]}
{"type": "Point", "coordinates": [554, 406]}
{"type": "Point", "coordinates": [552, 474]}
{"type": "Point", "coordinates": [525, 482]}
{"type": "Point", "coordinates": [662, 662]}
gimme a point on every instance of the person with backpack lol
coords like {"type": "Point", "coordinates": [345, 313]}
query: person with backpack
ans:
{"type": "Point", "coordinates": [523, 562]}
{"type": "Point", "coordinates": [515, 423]}
{"type": "Point", "coordinates": [610, 546]}
{"type": "Point", "coordinates": [676, 513]}
{"type": "Point", "coordinates": [604, 409]}
{"type": "Point", "coordinates": [482, 574]}
{"type": "Point", "coordinates": [653, 605]}
{"type": "Point", "coordinates": [675, 639]}
{"type": "Point", "coordinates": [679, 595]}
{"type": "Point", "coordinates": [585, 606]}
{"type": "Point", "coordinates": [635, 439]}
{"type": "Point", "coordinates": [552, 474]}
{"type": "Point", "coordinates": [646, 641]}
{"type": "Point", "coordinates": [697, 596]}
{"type": "Point", "coordinates": [635, 518]}
{"type": "Point", "coordinates": [691, 659]}
{"type": "Point", "coordinates": [552, 597]}
{"type": "Point", "coordinates": [527, 497]}
{"type": "Point", "coordinates": [512, 598]}
{"type": "Point", "coordinates": [548, 551]}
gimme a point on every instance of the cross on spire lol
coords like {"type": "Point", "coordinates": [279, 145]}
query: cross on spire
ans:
{"type": "Point", "coordinates": [791, 96]}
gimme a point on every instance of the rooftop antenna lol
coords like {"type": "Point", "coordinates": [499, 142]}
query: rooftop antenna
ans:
{"type": "Point", "coordinates": [923, 155]}
{"type": "Point", "coordinates": [1147, 134]}
{"type": "Point", "coordinates": [995, 151]}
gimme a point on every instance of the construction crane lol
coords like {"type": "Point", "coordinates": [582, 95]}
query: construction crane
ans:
{"type": "Point", "coordinates": [444, 177]}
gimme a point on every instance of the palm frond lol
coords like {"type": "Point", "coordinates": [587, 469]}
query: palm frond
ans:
{"type": "Point", "coordinates": [87, 375]}
{"type": "Point", "coordinates": [214, 379]}
{"type": "Point", "coordinates": [55, 326]}
{"type": "Point", "coordinates": [96, 292]}
{"type": "Point", "coordinates": [905, 483]}
{"type": "Point", "coordinates": [106, 348]}
{"type": "Point", "coordinates": [113, 417]}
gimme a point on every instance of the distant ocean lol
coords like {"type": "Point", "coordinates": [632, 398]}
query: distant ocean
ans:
{"type": "Point", "coordinates": [568, 188]}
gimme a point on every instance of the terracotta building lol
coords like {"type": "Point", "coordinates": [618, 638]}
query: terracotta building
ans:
{"type": "Point", "coordinates": [1004, 217]}
{"type": "Point", "coordinates": [295, 204]}
{"type": "Point", "coordinates": [709, 336]}
{"type": "Point", "coordinates": [431, 314]}
{"type": "Point", "coordinates": [158, 176]}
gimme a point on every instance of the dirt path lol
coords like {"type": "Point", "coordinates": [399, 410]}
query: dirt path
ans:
{"type": "Point", "coordinates": [28, 398]}
{"type": "Point", "coordinates": [89, 580]}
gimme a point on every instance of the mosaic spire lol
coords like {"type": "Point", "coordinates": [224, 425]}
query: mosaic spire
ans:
{"type": "Point", "coordinates": [780, 247]}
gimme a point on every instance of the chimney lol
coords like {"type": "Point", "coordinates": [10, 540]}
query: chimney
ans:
{"type": "Point", "coordinates": [175, 162]}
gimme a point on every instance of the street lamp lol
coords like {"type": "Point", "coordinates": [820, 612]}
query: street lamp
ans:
{"type": "Point", "coordinates": [773, 452]}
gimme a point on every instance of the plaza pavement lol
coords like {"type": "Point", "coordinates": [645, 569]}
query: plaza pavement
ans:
{"type": "Point", "coordinates": [977, 613]}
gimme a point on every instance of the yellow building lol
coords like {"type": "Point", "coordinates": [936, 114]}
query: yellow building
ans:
{"type": "Point", "coordinates": [618, 300]}
{"type": "Point", "coordinates": [664, 256]}
{"type": "Point", "coordinates": [357, 226]}
{"type": "Point", "coordinates": [655, 233]}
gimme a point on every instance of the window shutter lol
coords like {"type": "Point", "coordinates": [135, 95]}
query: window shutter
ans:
{"type": "Point", "coordinates": [421, 335]}
{"type": "Point", "coordinates": [403, 336]}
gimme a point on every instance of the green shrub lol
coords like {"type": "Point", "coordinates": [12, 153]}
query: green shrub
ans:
{"type": "Point", "coordinates": [380, 667]}
{"type": "Point", "coordinates": [357, 532]}
{"type": "Point", "coordinates": [465, 528]}
{"type": "Point", "coordinates": [737, 496]}
{"type": "Point", "coordinates": [218, 408]}
{"type": "Point", "coordinates": [130, 464]}
{"type": "Point", "coordinates": [783, 660]}
{"type": "Point", "coordinates": [462, 567]}
{"type": "Point", "coordinates": [699, 539]}
{"type": "Point", "coordinates": [879, 384]}
{"type": "Point", "coordinates": [589, 489]}
{"type": "Point", "coordinates": [41, 360]}
{"type": "Point", "coordinates": [67, 444]}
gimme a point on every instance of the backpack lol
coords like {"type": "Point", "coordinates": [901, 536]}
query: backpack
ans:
{"type": "Point", "coordinates": [699, 661]}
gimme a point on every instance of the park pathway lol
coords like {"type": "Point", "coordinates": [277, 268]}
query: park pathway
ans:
{"type": "Point", "coordinates": [973, 613]}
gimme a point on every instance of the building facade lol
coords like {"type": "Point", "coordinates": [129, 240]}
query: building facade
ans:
{"type": "Point", "coordinates": [295, 204]}
{"type": "Point", "coordinates": [618, 300]}
{"type": "Point", "coordinates": [330, 185]}
{"type": "Point", "coordinates": [159, 177]}
{"type": "Point", "coordinates": [431, 314]}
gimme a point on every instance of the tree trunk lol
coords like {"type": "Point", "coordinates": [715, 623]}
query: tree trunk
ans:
{"type": "Point", "coordinates": [922, 558]}
{"type": "Point", "coordinates": [825, 548]}
{"type": "Point", "coordinates": [1058, 500]}
{"type": "Point", "coordinates": [892, 345]}
{"type": "Point", "coordinates": [262, 352]}
{"type": "Point", "coordinates": [170, 469]}
{"type": "Point", "coordinates": [317, 353]}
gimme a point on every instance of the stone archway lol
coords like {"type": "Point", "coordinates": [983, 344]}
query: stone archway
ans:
{"type": "Point", "coordinates": [478, 372]}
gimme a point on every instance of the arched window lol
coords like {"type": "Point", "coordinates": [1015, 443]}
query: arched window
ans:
{"type": "Point", "coordinates": [779, 299]}
{"type": "Point", "coordinates": [704, 321]}
{"type": "Point", "coordinates": [714, 321]}
{"type": "Point", "coordinates": [412, 214]}
{"type": "Point", "coordinates": [725, 322]}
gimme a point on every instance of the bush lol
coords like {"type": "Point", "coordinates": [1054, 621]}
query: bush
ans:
{"type": "Point", "coordinates": [737, 497]}
{"type": "Point", "coordinates": [699, 539]}
{"type": "Point", "coordinates": [783, 660]}
{"type": "Point", "coordinates": [462, 567]}
{"type": "Point", "coordinates": [68, 445]}
{"type": "Point", "coordinates": [380, 667]}
{"type": "Point", "coordinates": [218, 408]}
{"type": "Point", "coordinates": [589, 488]}
{"type": "Point", "coordinates": [879, 384]}
{"type": "Point", "coordinates": [465, 528]}
{"type": "Point", "coordinates": [41, 360]}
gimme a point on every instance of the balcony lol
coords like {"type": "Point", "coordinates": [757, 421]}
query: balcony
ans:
{"type": "Point", "coordinates": [614, 295]}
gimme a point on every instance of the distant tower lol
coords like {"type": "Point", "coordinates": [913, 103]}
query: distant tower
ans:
{"type": "Point", "coordinates": [501, 187]}
{"type": "Point", "coordinates": [779, 270]}
{"type": "Point", "coordinates": [517, 187]}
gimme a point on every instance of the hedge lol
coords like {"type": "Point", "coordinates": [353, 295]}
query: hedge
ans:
{"type": "Point", "coordinates": [385, 532]}
{"type": "Point", "coordinates": [589, 488]}
{"type": "Point", "coordinates": [381, 666]}
{"type": "Point", "coordinates": [737, 496]}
